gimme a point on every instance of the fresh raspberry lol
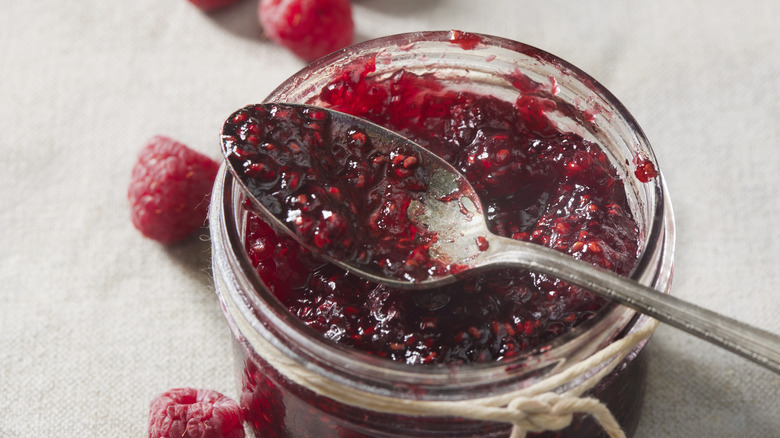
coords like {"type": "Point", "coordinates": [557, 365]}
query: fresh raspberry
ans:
{"type": "Point", "coordinates": [169, 190]}
{"type": "Point", "coordinates": [211, 5]}
{"type": "Point", "coordinates": [309, 28]}
{"type": "Point", "coordinates": [195, 413]}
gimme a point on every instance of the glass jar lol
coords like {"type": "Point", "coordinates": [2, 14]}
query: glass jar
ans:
{"type": "Point", "coordinates": [288, 372]}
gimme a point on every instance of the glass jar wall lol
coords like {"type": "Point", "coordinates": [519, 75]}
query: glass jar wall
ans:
{"type": "Point", "coordinates": [288, 371]}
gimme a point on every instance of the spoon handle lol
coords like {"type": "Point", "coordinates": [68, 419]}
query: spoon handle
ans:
{"type": "Point", "coordinates": [754, 344]}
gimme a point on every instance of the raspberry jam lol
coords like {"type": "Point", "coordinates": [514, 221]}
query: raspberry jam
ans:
{"type": "Point", "coordinates": [536, 183]}
{"type": "Point", "coordinates": [320, 179]}
{"type": "Point", "coordinates": [540, 179]}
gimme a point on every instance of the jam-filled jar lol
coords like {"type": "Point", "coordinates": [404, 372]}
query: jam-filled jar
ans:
{"type": "Point", "coordinates": [556, 159]}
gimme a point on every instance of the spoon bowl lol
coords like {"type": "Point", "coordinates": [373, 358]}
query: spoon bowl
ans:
{"type": "Point", "coordinates": [450, 238]}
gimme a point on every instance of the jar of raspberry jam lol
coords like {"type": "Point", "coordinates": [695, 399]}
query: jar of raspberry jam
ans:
{"type": "Point", "coordinates": [557, 160]}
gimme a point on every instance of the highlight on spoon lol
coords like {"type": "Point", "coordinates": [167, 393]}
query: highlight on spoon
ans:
{"type": "Point", "coordinates": [345, 188]}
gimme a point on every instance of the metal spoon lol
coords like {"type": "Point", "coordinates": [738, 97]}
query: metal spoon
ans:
{"type": "Point", "coordinates": [451, 210]}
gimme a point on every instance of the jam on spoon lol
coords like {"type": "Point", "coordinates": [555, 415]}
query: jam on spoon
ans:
{"type": "Point", "coordinates": [319, 176]}
{"type": "Point", "coordinates": [377, 204]}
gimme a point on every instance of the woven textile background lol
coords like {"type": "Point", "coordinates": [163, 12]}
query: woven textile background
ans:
{"type": "Point", "coordinates": [96, 320]}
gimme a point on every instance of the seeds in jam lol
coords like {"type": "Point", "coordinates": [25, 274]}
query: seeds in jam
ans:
{"type": "Point", "coordinates": [536, 184]}
{"type": "Point", "coordinates": [335, 189]}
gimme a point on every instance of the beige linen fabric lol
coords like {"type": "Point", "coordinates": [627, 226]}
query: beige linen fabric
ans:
{"type": "Point", "coordinates": [95, 320]}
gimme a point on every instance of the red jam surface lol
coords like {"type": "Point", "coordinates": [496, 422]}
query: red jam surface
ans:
{"type": "Point", "coordinates": [333, 187]}
{"type": "Point", "coordinates": [466, 40]}
{"type": "Point", "coordinates": [536, 183]}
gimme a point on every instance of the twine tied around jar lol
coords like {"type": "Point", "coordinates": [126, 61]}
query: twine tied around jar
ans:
{"type": "Point", "coordinates": [535, 408]}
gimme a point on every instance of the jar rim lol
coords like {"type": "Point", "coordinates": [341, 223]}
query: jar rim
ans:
{"type": "Point", "coordinates": [334, 359]}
